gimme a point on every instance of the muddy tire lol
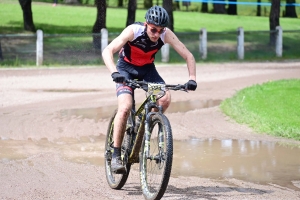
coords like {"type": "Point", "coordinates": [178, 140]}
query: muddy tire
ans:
{"type": "Point", "coordinates": [115, 181]}
{"type": "Point", "coordinates": [155, 172]}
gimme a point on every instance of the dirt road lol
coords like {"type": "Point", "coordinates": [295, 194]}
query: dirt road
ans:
{"type": "Point", "coordinates": [52, 122]}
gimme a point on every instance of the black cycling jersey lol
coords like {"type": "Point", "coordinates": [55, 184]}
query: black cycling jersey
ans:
{"type": "Point", "coordinates": [141, 50]}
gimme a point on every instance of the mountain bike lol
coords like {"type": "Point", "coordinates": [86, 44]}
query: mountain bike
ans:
{"type": "Point", "coordinates": [147, 140]}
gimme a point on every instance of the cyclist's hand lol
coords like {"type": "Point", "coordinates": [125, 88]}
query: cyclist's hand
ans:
{"type": "Point", "coordinates": [117, 77]}
{"type": "Point", "coordinates": [191, 85]}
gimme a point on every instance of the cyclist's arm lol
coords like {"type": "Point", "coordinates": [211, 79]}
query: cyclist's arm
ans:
{"type": "Point", "coordinates": [115, 46]}
{"type": "Point", "coordinates": [181, 49]}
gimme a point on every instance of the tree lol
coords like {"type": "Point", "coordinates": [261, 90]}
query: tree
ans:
{"type": "Point", "coordinates": [290, 10]}
{"type": "Point", "coordinates": [120, 3]}
{"type": "Point", "coordinates": [204, 7]}
{"type": "Point", "coordinates": [168, 5]}
{"type": "Point", "coordinates": [258, 10]}
{"type": "Point", "coordinates": [27, 15]}
{"type": "Point", "coordinates": [219, 8]}
{"type": "Point", "coordinates": [131, 8]}
{"type": "Point", "coordinates": [232, 10]}
{"type": "Point", "coordinates": [100, 22]}
{"type": "Point", "coordinates": [148, 4]}
{"type": "Point", "coordinates": [274, 20]}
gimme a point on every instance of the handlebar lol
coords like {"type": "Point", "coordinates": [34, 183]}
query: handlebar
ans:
{"type": "Point", "coordinates": [144, 85]}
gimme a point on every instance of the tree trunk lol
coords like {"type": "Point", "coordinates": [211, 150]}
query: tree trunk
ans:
{"type": "Point", "coordinates": [168, 5]}
{"type": "Point", "coordinates": [148, 4]}
{"type": "Point", "coordinates": [258, 9]}
{"type": "Point", "coordinates": [131, 12]}
{"type": "Point", "coordinates": [219, 8]}
{"type": "Point", "coordinates": [27, 15]}
{"type": "Point", "coordinates": [177, 5]}
{"type": "Point", "coordinates": [274, 20]}
{"type": "Point", "coordinates": [232, 7]}
{"type": "Point", "coordinates": [204, 7]}
{"type": "Point", "coordinates": [290, 10]}
{"type": "Point", "coordinates": [100, 22]}
{"type": "Point", "coordinates": [120, 3]}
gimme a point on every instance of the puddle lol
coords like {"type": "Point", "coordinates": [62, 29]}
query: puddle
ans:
{"type": "Point", "coordinates": [80, 150]}
{"type": "Point", "coordinates": [252, 161]}
{"type": "Point", "coordinates": [106, 112]}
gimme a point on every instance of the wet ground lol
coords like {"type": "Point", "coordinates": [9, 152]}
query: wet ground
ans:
{"type": "Point", "coordinates": [53, 122]}
{"type": "Point", "coordinates": [251, 161]}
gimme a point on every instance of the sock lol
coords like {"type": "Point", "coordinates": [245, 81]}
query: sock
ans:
{"type": "Point", "coordinates": [117, 152]}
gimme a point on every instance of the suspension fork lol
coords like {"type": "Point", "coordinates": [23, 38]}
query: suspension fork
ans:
{"type": "Point", "coordinates": [148, 108]}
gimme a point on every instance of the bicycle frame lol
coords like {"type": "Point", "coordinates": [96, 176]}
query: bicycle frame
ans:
{"type": "Point", "coordinates": [145, 125]}
{"type": "Point", "coordinates": [148, 104]}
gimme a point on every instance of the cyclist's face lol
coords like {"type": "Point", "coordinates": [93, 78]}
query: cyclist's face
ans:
{"type": "Point", "coordinates": [154, 31]}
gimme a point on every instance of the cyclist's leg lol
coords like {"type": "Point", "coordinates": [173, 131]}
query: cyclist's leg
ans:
{"type": "Point", "coordinates": [124, 107]}
{"type": "Point", "coordinates": [153, 76]}
{"type": "Point", "coordinates": [124, 94]}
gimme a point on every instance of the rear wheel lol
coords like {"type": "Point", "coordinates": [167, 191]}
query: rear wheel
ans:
{"type": "Point", "coordinates": [155, 170]}
{"type": "Point", "coordinates": [115, 181]}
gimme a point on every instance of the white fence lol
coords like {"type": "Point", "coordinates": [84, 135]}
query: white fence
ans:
{"type": "Point", "coordinates": [201, 45]}
{"type": "Point", "coordinates": [165, 51]}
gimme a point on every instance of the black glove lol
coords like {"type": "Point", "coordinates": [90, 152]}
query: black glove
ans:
{"type": "Point", "coordinates": [191, 85]}
{"type": "Point", "coordinates": [117, 77]}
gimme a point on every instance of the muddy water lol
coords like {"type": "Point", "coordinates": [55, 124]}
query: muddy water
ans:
{"type": "Point", "coordinates": [106, 112]}
{"type": "Point", "coordinates": [253, 161]}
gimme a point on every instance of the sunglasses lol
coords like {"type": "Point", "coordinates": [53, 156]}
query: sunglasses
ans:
{"type": "Point", "coordinates": [154, 30]}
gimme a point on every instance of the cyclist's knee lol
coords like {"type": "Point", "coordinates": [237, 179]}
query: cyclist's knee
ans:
{"type": "Point", "coordinates": [123, 113]}
{"type": "Point", "coordinates": [165, 101]}
{"type": "Point", "coordinates": [124, 105]}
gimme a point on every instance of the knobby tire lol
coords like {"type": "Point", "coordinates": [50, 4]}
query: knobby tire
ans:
{"type": "Point", "coordinates": [115, 181]}
{"type": "Point", "coordinates": [155, 174]}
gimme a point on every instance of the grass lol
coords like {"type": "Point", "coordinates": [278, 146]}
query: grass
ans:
{"type": "Point", "coordinates": [271, 108]}
{"type": "Point", "coordinates": [77, 21]}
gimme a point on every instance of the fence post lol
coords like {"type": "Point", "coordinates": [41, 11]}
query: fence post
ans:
{"type": "Point", "coordinates": [165, 53]}
{"type": "Point", "coordinates": [104, 39]}
{"type": "Point", "coordinates": [278, 41]}
{"type": "Point", "coordinates": [203, 43]}
{"type": "Point", "coordinates": [240, 43]}
{"type": "Point", "coordinates": [39, 48]}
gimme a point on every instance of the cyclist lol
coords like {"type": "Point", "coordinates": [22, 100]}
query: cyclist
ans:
{"type": "Point", "coordinates": [137, 45]}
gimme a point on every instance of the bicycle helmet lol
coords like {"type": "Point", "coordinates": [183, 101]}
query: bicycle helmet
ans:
{"type": "Point", "coordinates": [158, 16]}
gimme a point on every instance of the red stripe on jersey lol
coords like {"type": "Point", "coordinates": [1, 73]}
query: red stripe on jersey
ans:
{"type": "Point", "coordinates": [139, 57]}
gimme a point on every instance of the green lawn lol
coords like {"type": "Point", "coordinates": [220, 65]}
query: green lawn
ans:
{"type": "Point", "coordinates": [76, 20]}
{"type": "Point", "coordinates": [271, 108]}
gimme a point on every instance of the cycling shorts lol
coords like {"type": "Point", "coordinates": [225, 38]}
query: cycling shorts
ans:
{"type": "Point", "coordinates": [146, 73]}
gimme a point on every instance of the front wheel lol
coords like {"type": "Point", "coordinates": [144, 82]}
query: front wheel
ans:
{"type": "Point", "coordinates": [155, 169]}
